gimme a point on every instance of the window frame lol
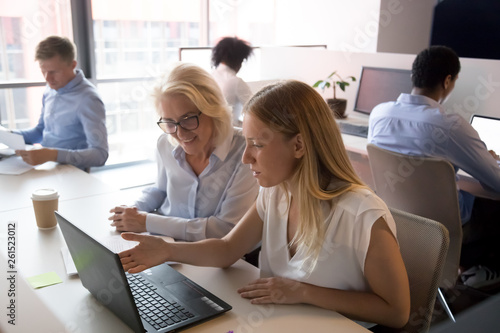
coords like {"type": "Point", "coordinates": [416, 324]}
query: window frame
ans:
{"type": "Point", "coordinates": [84, 39]}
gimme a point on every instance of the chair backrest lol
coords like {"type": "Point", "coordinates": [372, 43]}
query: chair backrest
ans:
{"type": "Point", "coordinates": [422, 186]}
{"type": "Point", "coordinates": [424, 246]}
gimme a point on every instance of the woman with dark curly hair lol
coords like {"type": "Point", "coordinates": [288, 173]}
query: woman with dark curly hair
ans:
{"type": "Point", "coordinates": [227, 57]}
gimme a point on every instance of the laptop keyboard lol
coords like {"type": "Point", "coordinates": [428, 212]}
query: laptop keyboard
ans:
{"type": "Point", "coordinates": [154, 308]}
{"type": "Point", "coordinates": [353, 129]}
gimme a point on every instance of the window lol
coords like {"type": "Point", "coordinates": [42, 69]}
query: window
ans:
{"type": "Point", "coordinates": [130, 43]}
{"type": "Point", "coordinates": [253, 20]}
{"type": "Point", "coordinates": [22, 25]}
{"type": "Point", "coordinates": [134, 44]}
{"type": "Point", "coordinates": [20, 107]}
{"type": "Point", "coordinates": [131, 36]}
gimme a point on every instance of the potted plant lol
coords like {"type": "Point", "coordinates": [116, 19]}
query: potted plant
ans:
{"type": "Point", "coordinates": [337, 105]}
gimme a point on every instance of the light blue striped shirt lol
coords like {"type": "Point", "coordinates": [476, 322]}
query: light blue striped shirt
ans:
{"type": "Point", "coordinates": [418, 125]}
{"type": "Point", "coordinates": [73, 120]}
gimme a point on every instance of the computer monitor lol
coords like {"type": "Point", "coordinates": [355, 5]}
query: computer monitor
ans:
{"type": "Point", "coordinates": [378, 85]}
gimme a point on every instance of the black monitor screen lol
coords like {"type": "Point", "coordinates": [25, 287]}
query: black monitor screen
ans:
{"type": "Point", "coordinates": [379, 85]}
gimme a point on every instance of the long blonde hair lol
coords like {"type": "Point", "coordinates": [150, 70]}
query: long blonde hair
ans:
{"type": "Point", "coordinates": [199, 86]}
{"type": "Point", "coordinates": [324, 172]}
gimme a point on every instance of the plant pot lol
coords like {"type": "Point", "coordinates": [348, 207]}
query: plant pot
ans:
{"type": "Point", "coordinates": [338, 106]}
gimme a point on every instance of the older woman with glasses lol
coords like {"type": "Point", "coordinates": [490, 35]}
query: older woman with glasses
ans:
{"type": "Point", "coordinates": [203, 188]}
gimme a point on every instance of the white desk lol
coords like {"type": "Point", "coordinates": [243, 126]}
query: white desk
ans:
{"type": "Point", "coordinates": [30, 313]}
{"type": "Point", "coordinates": [70, 181]}
{"type": "Point", "coordinates": [356, 149]}
{"type": "Point", "coordinates": [39, 252]}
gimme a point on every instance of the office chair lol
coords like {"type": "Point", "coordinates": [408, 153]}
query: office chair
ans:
{"type": "Point", "coordinates": [426, 187]}
{"type": "Point", "coordinates": [424, 246]}
{"type": "Point", "coordinates": [361, 165]}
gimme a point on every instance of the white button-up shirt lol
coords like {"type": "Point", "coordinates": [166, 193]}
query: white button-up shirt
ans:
{"type": "Point", "coordinates": [234, 89]}
{"type": "Point", "coordinates": [194, 207]}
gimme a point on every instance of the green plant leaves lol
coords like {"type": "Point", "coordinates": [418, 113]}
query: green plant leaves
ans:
{"type": "Point", "coordinates": [331, 82]}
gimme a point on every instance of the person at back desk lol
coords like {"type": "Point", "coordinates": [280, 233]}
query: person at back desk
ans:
{"type": "Point", "coordinates": [72, 125]}
{"type": "Point", "coordinates": [416, 124]}
{"type": "Point", "coordinates": [227, 58]}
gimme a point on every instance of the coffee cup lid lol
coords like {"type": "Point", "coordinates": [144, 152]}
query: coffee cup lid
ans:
{"type": "Point", "coordinates": [44, 194]}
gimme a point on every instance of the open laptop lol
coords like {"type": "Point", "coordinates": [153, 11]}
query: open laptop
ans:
{"type": "Point", "coordinates": [488, 129]}
{"type": "Point", "coordinates": [159, 299]}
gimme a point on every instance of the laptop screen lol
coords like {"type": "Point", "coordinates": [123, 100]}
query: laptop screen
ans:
{"type": "Point", "coordinates": [163, 292]}
{"type": "Point", "coordinates": [101, 273]}
{"type": "Point", "coordinates": [488, 129]}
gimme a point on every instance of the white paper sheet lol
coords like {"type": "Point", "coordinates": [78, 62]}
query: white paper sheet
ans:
{"type": "Point", "coordinates": [13, 140]}
{"type": "Point", "coordinates": [14, 165]}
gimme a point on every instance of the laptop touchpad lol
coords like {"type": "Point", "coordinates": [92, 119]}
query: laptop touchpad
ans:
{"type": "Point", "coordinates": [184, 290]}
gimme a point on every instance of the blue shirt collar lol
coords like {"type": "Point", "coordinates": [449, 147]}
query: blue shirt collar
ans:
{"type": "Point", "coordinates": [419, 99]}
{"type": "Point", "coordinates": [73, 83]}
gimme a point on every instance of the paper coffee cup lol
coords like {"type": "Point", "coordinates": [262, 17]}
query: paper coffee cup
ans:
{"type": "Point", "coordinates": [45, 203]}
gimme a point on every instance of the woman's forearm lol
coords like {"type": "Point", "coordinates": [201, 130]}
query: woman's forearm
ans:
{"type": "Point", "coordinates": [209, 252]}
{"type": "Point", "coordinates": [356, 305]}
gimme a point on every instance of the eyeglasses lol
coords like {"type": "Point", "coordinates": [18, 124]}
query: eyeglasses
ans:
{"type": "Point", "coordinates": [188, 123]}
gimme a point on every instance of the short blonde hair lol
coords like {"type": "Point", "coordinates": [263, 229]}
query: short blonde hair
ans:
{"type": "Point", "coordinates": [325, 171]}
{"type": "Point", "coordinates": [199, 86]}
{"type": "Point", "coordinates": [56, 45]}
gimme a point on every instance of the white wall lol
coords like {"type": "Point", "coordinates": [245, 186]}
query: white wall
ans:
{"type": "Point", "coordinates": [400, 30]}
{"type": "Point", "coordinates": [405, 25]}
{"type": "Point", "coordinates": [340, 24]}
{"type": "Point", "coordinates": [477, 89]}
{"type": "Point", "coordinates": [394, 26]}
{"type": "Point", "coordinates": [312, 65]}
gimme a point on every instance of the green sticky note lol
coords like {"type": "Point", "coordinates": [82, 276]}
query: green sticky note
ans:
{"type": "Point", "coordinates": [44, 280]}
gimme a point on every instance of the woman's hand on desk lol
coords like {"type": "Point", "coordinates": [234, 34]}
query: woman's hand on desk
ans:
{"type": "Point", "coordinates": [127, 218]}
{"type": "Point", "coordinates": [275, 290]}
{"type": "Point", "coordinates": [151, 251]}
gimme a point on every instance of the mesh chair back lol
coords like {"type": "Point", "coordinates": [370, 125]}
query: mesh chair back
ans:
{"type": "Point", "coordinates": [424, 245]}
{"type": "Point", "coordinates": [422, 186]}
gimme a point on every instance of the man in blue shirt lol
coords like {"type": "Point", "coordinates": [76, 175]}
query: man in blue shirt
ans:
{"type": "Point", "coordinates": [416, 124]}
{"type": "Point", "coordinates": [72, 125]}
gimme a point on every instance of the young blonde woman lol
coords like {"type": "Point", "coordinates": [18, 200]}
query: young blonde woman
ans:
{"type": "Point", "coordinates": [327, 239]}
